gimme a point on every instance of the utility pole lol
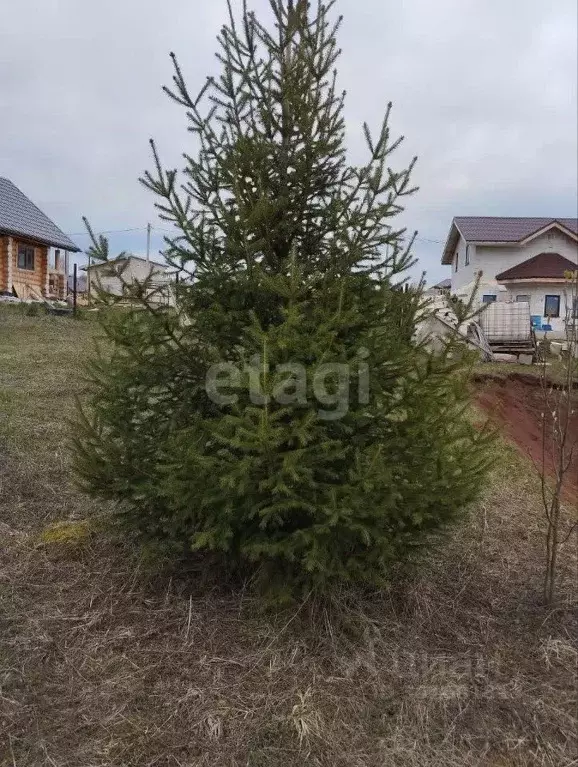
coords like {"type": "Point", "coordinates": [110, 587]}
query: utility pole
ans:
{"type": "Point", "coordinates": [74, 289]}
{"type": "Point", "coordinates": [149, 227]}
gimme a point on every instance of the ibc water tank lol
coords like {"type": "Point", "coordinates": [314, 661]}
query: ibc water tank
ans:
{"type": "Point", "coordinates": [506, 322]}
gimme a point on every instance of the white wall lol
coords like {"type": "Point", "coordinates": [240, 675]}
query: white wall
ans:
{"type": "Point", "coordinates": [494, 260]}
{"type": "Point", "coordinates": [538, 295]}
{"type": "Point", "coordinates": [465, 274]}
{"type": "Point", "coordinates": [136, 270]}
{"type": "Point", "coordinates": [52, 258]}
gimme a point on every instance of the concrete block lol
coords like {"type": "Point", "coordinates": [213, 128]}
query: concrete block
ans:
{"type": "Point", "coordinates": [525, 359]}
{"type": "Point", "coordinates": [499, 357]}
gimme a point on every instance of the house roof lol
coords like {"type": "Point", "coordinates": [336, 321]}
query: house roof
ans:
{"type": "Point", "coordinates": [486, 229]}
{"type": "Point", "coordinates": [20, 216]}
{"type": "Point", "coordinates": [444, 284]}
{"type": "Point", "coordinates": [127, 257]}
{"type": "Point", "coordinates": [502, 229]}
{"type": "Point", "coordinates": [545, 266]}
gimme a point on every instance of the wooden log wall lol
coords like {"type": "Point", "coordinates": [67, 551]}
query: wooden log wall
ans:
{"type": "Point", "coordinates": [34, 278]}
{"type": "Point", "coordinates": [3, 263]}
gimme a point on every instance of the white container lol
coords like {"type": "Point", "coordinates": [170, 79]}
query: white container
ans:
{"type": "Point", "coordinates": [507, 322]}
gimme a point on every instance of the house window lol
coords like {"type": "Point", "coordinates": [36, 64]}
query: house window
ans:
{"type": "Point", "coordinates": [488, 298]}
{"type": "Point", "coordinates": [552, 306]}
{"type": "Point", "coordinates": [457, 261]}
{"type": "Point", "coordinates": [575, 308]}
{"type": "Point", "coordinates": [467, 255]}
{"type": "Point", "coordinates": [523, 298]}
{"type": "Point", "coordinates": [26, 257]}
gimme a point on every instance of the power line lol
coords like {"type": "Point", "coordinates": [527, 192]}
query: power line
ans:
{"type": "Point", "coordinates": [118, 231]}
{"type": "Point", "coordinates": [172, 231]}
{"type": "Point", "coordinates": [109, 231]}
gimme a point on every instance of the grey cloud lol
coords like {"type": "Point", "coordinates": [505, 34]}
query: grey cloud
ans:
{"type": "Point", "coordinates": [485, 94]}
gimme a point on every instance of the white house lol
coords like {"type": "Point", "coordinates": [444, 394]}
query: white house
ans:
{"type": "Point", "coordinates": [519, 259]}
{"type": "Point", "coordinates": [105, 275]}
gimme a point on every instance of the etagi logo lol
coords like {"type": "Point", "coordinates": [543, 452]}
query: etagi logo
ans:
{"type": "Point", "coordinates": [329, 384]}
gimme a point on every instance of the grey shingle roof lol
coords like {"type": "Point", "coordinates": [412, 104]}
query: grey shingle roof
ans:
{"type": "Point", "coordinates": [498, 229]}
{"type": "Point", "coordinates": [20, 216]}
{"type": "Point", "coordinates": [489, 229]}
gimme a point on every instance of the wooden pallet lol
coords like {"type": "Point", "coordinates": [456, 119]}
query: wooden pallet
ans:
{"type": "Point", "coordinates": [23, 291]}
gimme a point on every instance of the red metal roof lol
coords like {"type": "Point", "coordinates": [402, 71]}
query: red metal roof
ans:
{"type": "Point", "coordinates": [546, 266]}
{"type": "Point", "coordinates": [504, 229]}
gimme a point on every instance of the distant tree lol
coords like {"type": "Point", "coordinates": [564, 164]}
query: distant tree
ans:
{"type": "Point", "coordinates": [281, 412]}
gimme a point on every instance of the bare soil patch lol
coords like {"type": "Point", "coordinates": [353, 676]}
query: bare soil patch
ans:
{"type": "Point", "coordinates": [515, 405]}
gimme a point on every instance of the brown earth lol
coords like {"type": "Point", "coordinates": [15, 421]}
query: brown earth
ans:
{"type": "Point", "coordinates": [515, 405]}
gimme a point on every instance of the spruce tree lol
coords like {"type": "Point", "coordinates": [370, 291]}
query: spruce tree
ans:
{"type": "Point", "coordinates": [282, 411]}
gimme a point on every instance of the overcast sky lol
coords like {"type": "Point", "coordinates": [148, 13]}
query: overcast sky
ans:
{"type": "Point", "coordinates": [484, 92]}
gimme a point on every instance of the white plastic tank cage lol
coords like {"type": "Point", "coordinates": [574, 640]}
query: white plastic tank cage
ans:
{"type": "Point", "coordinates": [507, 322]}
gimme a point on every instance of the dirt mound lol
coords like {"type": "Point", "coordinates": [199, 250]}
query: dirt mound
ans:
{"type": "Point", "coordinates": [515, 405]}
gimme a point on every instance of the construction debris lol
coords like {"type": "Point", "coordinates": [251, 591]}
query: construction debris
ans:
{"type": "Point", "coordinates": [6, 298]}
{"type": "Point", "coordinates": [501, 332]}
{"type": "Point", "coordinates": [33, 298]}
{"type": "Point", "coordinates": [439, 322]}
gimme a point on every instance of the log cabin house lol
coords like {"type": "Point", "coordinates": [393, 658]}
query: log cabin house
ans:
{"type": "Point", "coordinates": [33, 250]}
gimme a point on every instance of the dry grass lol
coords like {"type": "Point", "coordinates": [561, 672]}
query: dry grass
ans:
{"type": "Point", "coordinates": [103, 662]}
{"type": "Point", "coordinates": [555, 370]}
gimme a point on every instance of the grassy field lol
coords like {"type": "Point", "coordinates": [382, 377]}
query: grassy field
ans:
{"type": "Point", "coordinates": [104, 661]}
